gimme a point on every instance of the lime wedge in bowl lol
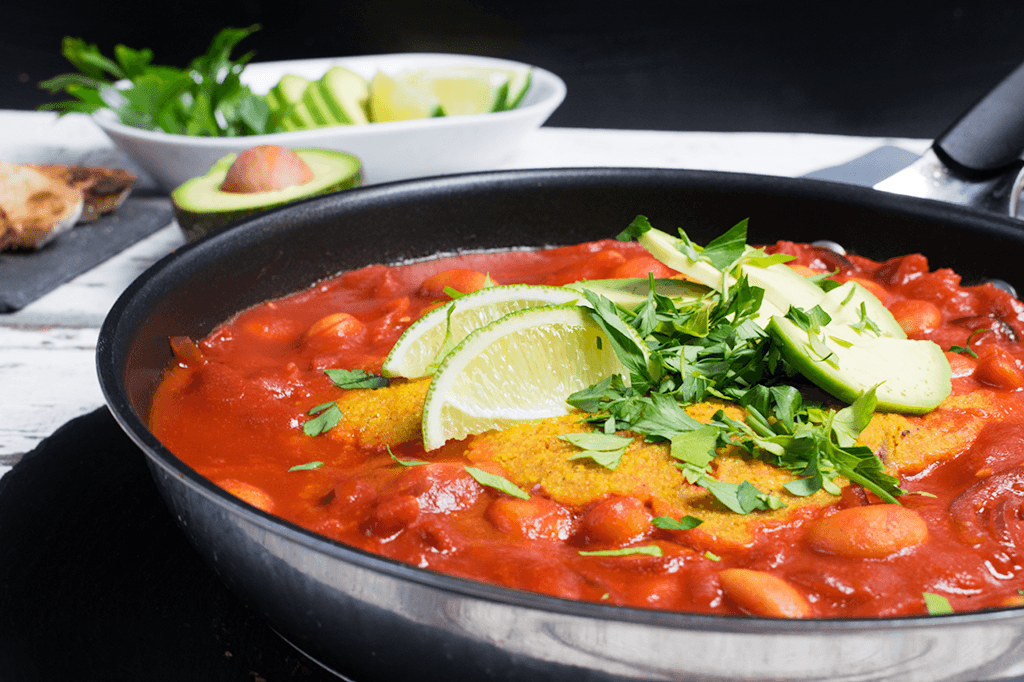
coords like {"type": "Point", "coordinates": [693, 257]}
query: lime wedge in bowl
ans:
{"type": "Point", "coordinates": [395, 100]}
{"type": "Point", "coordinates": [469, 89]}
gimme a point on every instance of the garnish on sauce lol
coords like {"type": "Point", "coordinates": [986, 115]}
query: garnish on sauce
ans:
{"type": "Point", "coordinates": [308, 466]}
{"type": "Point", "coordinates": [714, 348]}
{"type": "Point", "coordinates": [355, 378]}
{"type": "Point", "coordinates": [327, 417]}
{"type": "Point", "coordinates": [936, 604]}
{"type": "Point", "coordinates": [501, 483]}
{"type": "Point", "coordinates": [649, 550]}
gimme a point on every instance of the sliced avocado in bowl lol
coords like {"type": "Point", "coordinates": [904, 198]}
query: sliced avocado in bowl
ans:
{"type": "Point", "coordinates": [339, 98]}
{"type": "Point", "coordinates": [202, 205]}
{"type": "Point", "coordinates": [287, 109]}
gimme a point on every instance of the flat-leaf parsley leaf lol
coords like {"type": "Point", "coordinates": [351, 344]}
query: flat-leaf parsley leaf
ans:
{"type": "Point", "coordinates": [327, 417]}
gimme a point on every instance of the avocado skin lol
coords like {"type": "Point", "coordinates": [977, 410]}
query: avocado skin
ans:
{"type": "Point", "coordinates": [197, 222]}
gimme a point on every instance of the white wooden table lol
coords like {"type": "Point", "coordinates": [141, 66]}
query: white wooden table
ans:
{"type": "Point", "coordinates": [47, 367]}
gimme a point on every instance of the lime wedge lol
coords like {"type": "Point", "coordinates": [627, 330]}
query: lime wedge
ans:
{"type": "Point", "coordinates": [462, 90]}
{"type": "Point", "coordinates": [519, 368]}
{"type": "Point", "coordinates": [426, 342]}
{"type": "Point", "coordinates": [396, 100]}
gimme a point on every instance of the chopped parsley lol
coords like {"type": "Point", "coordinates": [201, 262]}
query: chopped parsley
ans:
{"type": "Point", "coordinates": [406, 462]}
{"type": "Point", "coordinates": [497, 482]}
{"type": "Point", "coordinates": [966, 348]}
{"type": "Point", "coordinates": [668, 523]}
{"type": "Point", "coordinates": [712, 348]}
{"type": "Point", "coordinates": [308, 466]}
{"type": "Point", "coordinates": [650, 550]}
{"type": "Point", "coordinates": [604, 448]}
{"type": "Point", "coordinates": [327, 417]}
{"type": "Point", "coordinates": [355, 378]}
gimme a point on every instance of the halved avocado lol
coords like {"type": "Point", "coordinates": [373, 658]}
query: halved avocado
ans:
{"type": "Point", "coordinates": [201, 206]}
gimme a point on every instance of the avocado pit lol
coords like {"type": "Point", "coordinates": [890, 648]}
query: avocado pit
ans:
{"type": "Point", "coordinates": [266, 168]}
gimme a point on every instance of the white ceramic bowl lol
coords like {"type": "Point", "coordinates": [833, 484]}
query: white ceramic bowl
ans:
{"type": "Point", "coordinates": [389, 151]}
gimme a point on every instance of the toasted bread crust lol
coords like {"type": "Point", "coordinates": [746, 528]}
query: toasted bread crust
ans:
{"type": "Point", "coordinates": [39, 202]}
{"type": "Point", "coordinates": [6, 230]}
{"type": "Point", "coordinates": [103, 189]}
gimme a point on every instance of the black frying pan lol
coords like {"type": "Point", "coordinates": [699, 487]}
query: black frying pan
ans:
{"type": "Point", "coordinates": [373, 618]}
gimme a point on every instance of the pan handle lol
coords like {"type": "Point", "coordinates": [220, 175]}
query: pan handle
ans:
{"type": "Point", "coordinates": [979, 160]}
{"type": "Point", "coordinates": [988, 139]}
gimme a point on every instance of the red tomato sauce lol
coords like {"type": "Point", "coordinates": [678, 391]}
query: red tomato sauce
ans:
{"type": "Point", "coordinates": [233, 405]}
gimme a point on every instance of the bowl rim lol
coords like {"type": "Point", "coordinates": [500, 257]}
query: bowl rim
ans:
{"type": "Point", "coordinates": [111, 377]}
{"type": "Point", "coordinates": [546, 80]}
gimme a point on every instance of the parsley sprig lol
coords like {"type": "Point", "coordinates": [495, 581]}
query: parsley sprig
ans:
{"type": "Point", "coordinates": [206, 98]}
{"type": "Point", "coordinates": [713, 348]}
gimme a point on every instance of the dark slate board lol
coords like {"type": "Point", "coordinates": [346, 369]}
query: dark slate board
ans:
{"type": "Point", "coordinates": [24, 277]}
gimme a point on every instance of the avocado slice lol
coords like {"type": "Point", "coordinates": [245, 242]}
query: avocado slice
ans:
{"type": "Point", "coordinates": [844, 305]}
{"type": "Point", "coordinates": [632, 291]}
{"type": "Point", "coordinates": [341, 95]}
{"type": "Point", "coordinates": [518, 85]}
{"type": "Point", "coordinates": [287, 110]}
{"type": "Point", "coordinates": [912, 376]}
{"type": "Point", "coordinates": [200, 206]}
{"type": "Point", "coordinates": [337, 98]}
{"type": "Point", "coordinates": [664, 247]}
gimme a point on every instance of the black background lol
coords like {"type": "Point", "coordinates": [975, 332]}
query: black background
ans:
{"type": "Point", "coordinates": [864, 68]}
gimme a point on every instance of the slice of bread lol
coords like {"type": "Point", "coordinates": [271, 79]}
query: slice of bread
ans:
{"type": "Point", "coordinates": [6, 230]}
{"type": "Point", "coordinates": [38, 207]}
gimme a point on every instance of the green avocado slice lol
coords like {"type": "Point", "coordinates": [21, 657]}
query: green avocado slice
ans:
{"type": "Point", "coordinates": [200, 206]}
{"type": "Point", "coordinates": [287, 110]}
{"type": "Point", "coordinates": [912, 376]}
{"type": "Point", "coordinates": [848, 303]}
{"type": "Point", "coordinates": [630, 292]}
{"type": "Point", "coordinates": [343, 94]}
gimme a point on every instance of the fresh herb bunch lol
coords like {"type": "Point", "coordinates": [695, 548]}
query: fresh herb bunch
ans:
{"type": "Point", "coordinates": [713, 348]}
{"type": "Point", "coordinates": [205, 99]}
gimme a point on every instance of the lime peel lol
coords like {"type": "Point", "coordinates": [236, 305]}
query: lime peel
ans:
{"type": "Point", "coordinates": [519, 368]}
